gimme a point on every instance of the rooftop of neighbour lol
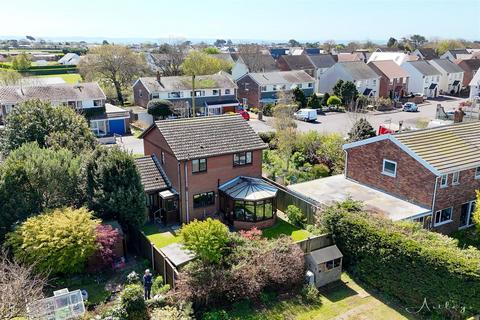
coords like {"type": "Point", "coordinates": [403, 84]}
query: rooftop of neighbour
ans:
{"type": "Point", "coordinates": [258, 62]}
{"type": "Point", "coordinates": [322, 60]}
{"type": "Point", "coordinates": [281, 77]}
{"type": "Point", "coordinates": [428, 53]}
{"type": "Point", "coordinates": [52, 92]}
{"type": "Point", "coordinates": [152, 176]}
{"type": "Point", "coordinates": [446, 65]}
{"type": "Point", "coordinates": [203, 137]}
{"type": "Point", "coordinates": [358, 70]}
{"type": "Point", "coordinates": [424, 67]}
{"type": "Point", "coordinates": [179, 83]}
{"type": "Point", "coordinates": [300, 62]}
{"type": "Point", "coordinates": [389, 68]}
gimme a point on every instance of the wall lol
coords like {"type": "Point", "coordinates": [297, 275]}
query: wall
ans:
{"type": "Point", "coordinates": [249, 89]}
{"type": "Point", "coordinates": [413, 182]}
{"type": "Point", "coordinates": [140, 94]}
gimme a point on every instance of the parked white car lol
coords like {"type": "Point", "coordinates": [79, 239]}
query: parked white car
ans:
{"type": "Point", "coordinates": [306, 115]}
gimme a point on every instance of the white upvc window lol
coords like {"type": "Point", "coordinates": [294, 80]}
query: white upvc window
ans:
{"type": "Point", "coordinates": [389, 168]}
{"type": "Point", "coordinates": [456, 178]}
{"type": "Point", "coordinates": [477, 173]}
{"type": "Point", "coordinates": [466, 214]}
{"type": "Point", "coordinates": [444, 181]}
{"type": "Point", "coordinates": [443, 216]}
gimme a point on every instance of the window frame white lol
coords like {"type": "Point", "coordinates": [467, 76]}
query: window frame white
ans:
{"type": "Point", "coordinates": [456, 178]}
{"type": "Point", "coordinates": [470, 213]}
{"type": "Point", "coordinates": [387, 173]}
{"type": "Point", "coordinates": [437, 224]}
{"type": "Point", "coordinates": [442, 183]}
{"type": "Point", "coordinates": [477, 173]}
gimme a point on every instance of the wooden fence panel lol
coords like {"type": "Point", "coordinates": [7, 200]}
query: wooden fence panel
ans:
{"type": "Point", "coordinates": [315, 243]}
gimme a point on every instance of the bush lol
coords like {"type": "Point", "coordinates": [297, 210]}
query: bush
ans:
{"type": "Point", "coordinates": [60, 241]}
{"type": "Point", "coordinates": [310, 293]}
{"type": "Point", "coordinates": [252, 234]}
{"type": "Point", "coordinates": [296, 216]}
{"type": "Point", "coordinates": [207, 239]}
{"type": "Point", "coordinates": [216, 315]}
{"type": "Point", "coordinates": [133, 278]}
{"type": "Point", "coordinates": [320, 171]}
{"type": "Point", "coordinates": [160, 108]}
{"type": "Point", "coordinates": [131, 300]}
{"type": "Point", "coordinates": [361, 130]}
{"type": "Point", "coordinates": [313, 102]}
{"type": "Point", "coordinates": [268, 109]}
{"type": "Point", "coordinates": [406, 261]}
{"type": "Point", "coordinates": [334, 101]}
{"type": "Point", "coordinates": [325, 99]}
{"type": "Point", "coordinates": [106, 238]}
{"type": "Point", "coordinates": [158, 288]}
{"type": "Point", "coordinates": [268, 136]}
{"type": "Point", "coordinates": [184, 312]}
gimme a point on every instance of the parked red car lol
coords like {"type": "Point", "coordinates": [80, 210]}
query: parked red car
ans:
{"type": "Point", "coordinates": [244, 114]}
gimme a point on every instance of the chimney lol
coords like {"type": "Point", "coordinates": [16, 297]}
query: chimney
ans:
{"type": "Point", "coordinates": [159, 78]}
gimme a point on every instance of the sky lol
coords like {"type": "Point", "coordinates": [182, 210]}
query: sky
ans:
{"type": "Point", "coordinates": [303, 20]}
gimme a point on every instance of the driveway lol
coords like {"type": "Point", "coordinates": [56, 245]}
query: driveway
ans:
{"type": "Point", "coordinates": [334, 122]}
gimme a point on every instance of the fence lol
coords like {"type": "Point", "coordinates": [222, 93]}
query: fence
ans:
{"type": "Point", "coordinates": [158, 260]}
{"type": "Point", "coordinates": [315, 243]}
{"type": "Point", "coordinates": [286, 197]}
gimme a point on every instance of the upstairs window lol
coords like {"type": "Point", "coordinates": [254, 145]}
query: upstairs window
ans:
{"type": "Point", "coordinates": [199, 165]}
{"type": "Point", "coordinates": [310, 85]}
{"type": "Point", "coordinates": [155, 95]}
{"type": "Point", "coordinates": [175, 94]}
{"type": "Point", "coordinates": [263, 88]}
{"type": "Point", "coordinates": [227, 91]}
{"type": "Point", "coordinates": [444, 181]}
{"type": "Point", "coordinates": [477, 173]}
{"type": "Point", "coordinates": [389, 168]}
{"type": "Point", "coordinates": [242, 158]}
{"type": "Point", "coordinates": [215, 92]}
{"type": "Point", "coordinates": [456, 178]}
{"type": "Point", "coordinates": [97, 103]}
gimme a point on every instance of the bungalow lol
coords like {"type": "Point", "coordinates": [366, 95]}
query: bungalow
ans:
{"type": "Point", "coordinates": [301, 62]}
{"type": "Point", "coordinates": [218, 170]}
{"type": "Point", "coordinates": [454, 54]}
{"type": "Point", "coordinates": [321, 62]}
{"type": "Point", "coordinates": [428, 176]}
{"type": "Point", "coordinates": [423, 78]}
{"type": "Point", "coordinates": [469, 67]}
{"type": "Point", "coordinates": [425, 53]}
{"type": "Point", "coordinates": [451, 78]}
{"type": "Point", "coordinates": [69, 59]}
{"type": "Point", "coordinates": [398, 57]}
{"type": "Point", "coordinates": [257, 89]}
{"type": "Point", "coordinates": [253, 62]}
{"type": "Point", "coordinates": [358, 72]}
{"type": "Point", "coordinates": [214, 94]}
{"type": "Point", "coordinates": [393, 79]}
{"type": "Point", "coordinates": [475, 87]}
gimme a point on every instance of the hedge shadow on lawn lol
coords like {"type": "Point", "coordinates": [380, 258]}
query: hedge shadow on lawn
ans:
{"type": "Point", "coordinates": [337, 291]}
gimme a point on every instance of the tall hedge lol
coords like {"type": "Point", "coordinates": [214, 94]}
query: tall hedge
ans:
{"type": "Point", "coordinates": [408, 262]}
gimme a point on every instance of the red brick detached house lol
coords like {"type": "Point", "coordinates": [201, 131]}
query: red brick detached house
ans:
{"type": "Point", "coordinates": [437, 168]}
{"type": "Point", "coordinates": [215, 165]}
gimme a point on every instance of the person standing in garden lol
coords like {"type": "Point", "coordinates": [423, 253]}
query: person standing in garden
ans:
{"type": "Point", "coordinates": [147, 283]}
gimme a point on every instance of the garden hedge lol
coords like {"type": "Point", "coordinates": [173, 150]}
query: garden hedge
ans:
{"type": "Point", "coordinates": [407, 262]}
{"type": "Point", "coordinates": [46, 71]}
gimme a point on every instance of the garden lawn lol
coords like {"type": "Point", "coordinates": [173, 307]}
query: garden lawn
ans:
{"type": "Point", "coordinates": [342, 301]}
{"type": "Point", "coordinates": [160, 237]}
{"type": "Point", "coordinates": [71, 78]}
{"type": "Point", "coordinates": [283, 227]}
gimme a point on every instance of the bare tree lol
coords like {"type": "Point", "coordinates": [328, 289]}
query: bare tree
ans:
{"type": "Point", "coordinates": [329, 45]}
{"type": "Point", "coordinates": [252, 56]}
{"type": "Point", "coordinates": [19, 286]}
{"type": "Point", "coordinates": [181, 109]}
{"type": "Point", "coordinates": [171, 58]}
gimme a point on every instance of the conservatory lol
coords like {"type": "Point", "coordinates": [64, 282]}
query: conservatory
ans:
{"type": "Point", "coordinates": [248, 202]}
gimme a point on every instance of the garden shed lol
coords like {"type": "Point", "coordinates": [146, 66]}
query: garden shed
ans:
{"type": "Point", "coordinates": [326, 265]}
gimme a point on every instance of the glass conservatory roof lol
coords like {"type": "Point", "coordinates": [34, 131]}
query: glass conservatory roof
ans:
{"type": "Point", "coordinates": [249, 189]}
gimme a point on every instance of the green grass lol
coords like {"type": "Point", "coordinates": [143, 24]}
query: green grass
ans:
{"type": "Point", "coordinates": [283, 227]}
{"type": "Point", "coordinates": [95, 286]}
{"type": "Point", "coordinates": [160, 239]}
{"type": "Point", "coordinates": [71, 78]}
{"type": "Point", "coordinates": [340, 299]}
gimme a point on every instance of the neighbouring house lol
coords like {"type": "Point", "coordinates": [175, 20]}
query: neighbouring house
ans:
{"type": "Point", "coordinates": [87, 98]}
{"type": "Point", "coordinates": [425, 53]}
{"type": "Point", "coordinates": [393, 79]}
{"type": "Point", "coordinates": [451, 78]}
{"type": "Point", "coordinates": [469, 67]}
{"type": "Point", "coordinates": [258, 89]}
{"type": "Point", "coordinates": [215, 166]}
{"type": "Point", "coordinates": [454, 54]}
{"type": "Point", "coordinates": [214, 94]}
{"type": "Point", "coordinates": [278, 52]}
{"type": "Point", "coordinates": [358, 72]}
{"type": "Point", "coordinates": [423, 78]}
{"type": "Point", "coordinates": [321, 62]}
{"type": "Point", "coordinates": [300, 62]}
{"type": "Point", "coordinates": [475, 87]}
{"type": "Point", "coordinates": [347, 57]}
{"type": "Point", "coordinates": [161, 197]}
{"type": "Point", "coordinates": [253, 62]}
{"type": "Point", "coordinates": [429, 176]}
{"type": "Point", "coordinates": [69, 59]}
{"type": "Point", "coordinates": [398, 57]}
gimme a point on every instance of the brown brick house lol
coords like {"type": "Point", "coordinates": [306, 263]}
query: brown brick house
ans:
{"type": "Point", "coordinates": [215, 165]}
{"type": "Point", "coordinates": [470, 67]}
{"type": "Point", "coordinates": [437, 168]}
{"type": "Point", "coordinates": [393, 79]}
{"type": "Point", "coordinates": [300, 62]}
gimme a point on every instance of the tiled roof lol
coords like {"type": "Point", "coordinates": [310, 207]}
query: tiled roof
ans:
{"type": "Point", "coordinates": [281, 77]}
{"type": "Point", "coordinates": [203, 137]}
{"type": "Point", "coordinates": [53, 92]}
{"type": "Point", "coordinates": [257, 62]}
{"type": "Point", "coordinates": [447, 148]}
{"type": "Point", "coordinates": [424, 68]}
{"type": "Point", "coordinates": [447, 65]}
{"type": "Point", "coordinates": [217, 80]}
{"type": "Point", "coordinates": [470, 64]}
{"type": "Point", "coordinates": [346, 57]}
{"type": "Point", "coordinates": [358, 70]}
{"type": "Point", "coordinates": [151, 174]}
{"type": "Point", "coordinates": [322, 60]}
{"type": "Point", "coordinates": [428, 53]}
{"type": "Point", "coordinates": [455, 52]}
{"type": "Point", "coordinates": [390, 69]}
{"type": "Point", "coordinates": [300, 62]}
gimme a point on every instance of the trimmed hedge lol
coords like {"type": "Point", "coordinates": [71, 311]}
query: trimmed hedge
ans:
{"type": "Point", "coordinates": [42, 72]}
{"type": "Point", "coordinates": [408, 262]}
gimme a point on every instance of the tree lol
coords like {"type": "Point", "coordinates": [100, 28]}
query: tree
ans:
{"type": "Point", "coordinates": [476, 215]}
{"type": "Point", "coordinates": [9, 77]}
{"type": "Point", "coordinates": [132, 301]}
{"type": "Point", "coordinates": [114, 190]}
{"type": "Point", "coordinates": [299, 97]}
{"type": "Point", "coordinates": [296, 216]}
{"type": "Point", "coordinates": [331, 154]}
{"type": "Point", "coordinates": [313, 102]}
{"type": "Point", "coordinates": [392, 42]}
{"type": "Point", "coordinates": [21, 62]}
{"type": "Point", "coordinates": [211, 50]}
{"type": "Point", "coordinates": [417, 40]}
{"type": "Point", "coordinates": [326, 95]}
{"type": "Point", "coordinates": [219, 43]}
{"type": "Point", "coordinates": [200, 63]}
{"type": "Point", "coordinates": [172, 58]}
{"type": "Point", "coordinates": [106, 238]}
{"type": "Point", "coordinates": [334, 101]}
{"type": "Point", "coordinates": [55, 242]}
{"type": "Point", "coordinates": [329, 45]}
{"type": "Point", "coordinates": [19, 286]}
{"type": "Point", "coordinates": [160, 108]}
{"type": "Point", "coordinates": [443, 46]}
{"type": "Point", "coordinates": [57, 127]}
{"type": "Point", "coordinates": [207, 239]}
{"type": "Point", "coordinates": [294, 43]}
{"type": "Point", "coordinates": [286, 130]}
{"type": "Point", "coordinates": [349, 92]}
{"type": "Point", "coordinates": [361, 130]}
{"type": "Point", "coordinates": [115, 64]}
{"type": "Point", "coordinates": [337, 88]}
{"type": "Point", "coordinates": [33, 179]}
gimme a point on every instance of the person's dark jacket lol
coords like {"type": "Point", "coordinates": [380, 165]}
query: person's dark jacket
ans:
{"type": "Point", "coordinates": [147, 280]}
